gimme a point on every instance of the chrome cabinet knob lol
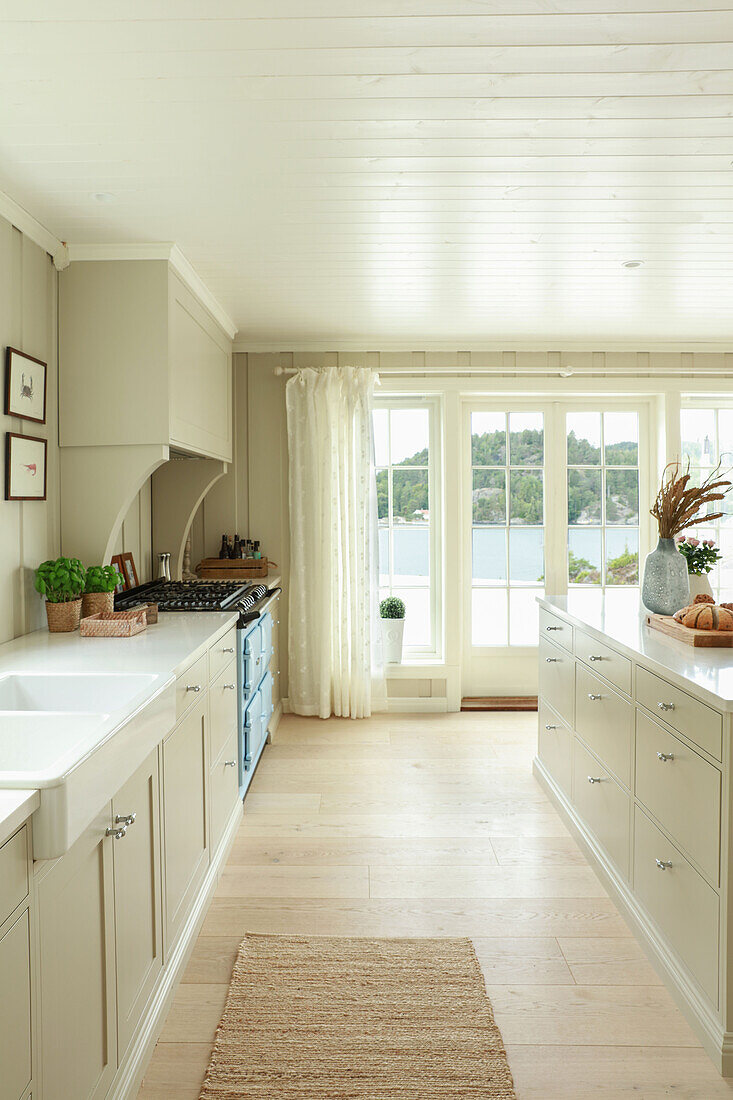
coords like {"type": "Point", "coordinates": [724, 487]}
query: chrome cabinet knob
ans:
{"type": "Point", "coordinates": [228, 649]}
{"type": "Point", "coordinates": [593, 697]}
{"type": "Point", "coordinates": [595, 779]}
{"type": "Point", "coordinates": [230, 763]}
{"type": "Point", "coordinates": [594, 657]}
{"type": "Point", "coordinates": [229, 687]}
{"type": "Point", "coordinates": [666, 706]}
{"type": "Point", "coordinates": [665, 756]}
{"type": "Point", "coordinates": [550, 727]}
{"type": "Point", "coordinates": [117, 832]}
{"type": "Point", "coordinates": [193, 687]}
{"type": "Point", "coordinates": [551, 660]}
{"type": "Point", "coordinates": [663, 864]}
{"type": "Point", "coordinates": [125, 819]}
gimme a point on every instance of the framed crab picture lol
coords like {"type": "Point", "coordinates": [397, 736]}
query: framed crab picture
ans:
{"type": "Point", "coordinates": [25, 386]}
{"type": "Point", "coordinates": [25, 467]}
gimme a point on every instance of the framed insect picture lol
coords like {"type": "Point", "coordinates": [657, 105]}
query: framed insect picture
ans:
{"type": "Point", "coordinates": [25, 386]}
{"type": "Point", "coordinates": [25, 467]}
{"type": "Point", "coordinates": [129, 572]}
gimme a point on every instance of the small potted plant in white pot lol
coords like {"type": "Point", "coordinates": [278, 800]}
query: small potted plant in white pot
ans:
{"type": "Point", "coordinates": [392, 615]}
{"type": "Point", "coordinates": [701, 557]}
{"type": "Point", "coordinates": [99, 589]}
{"type": "Point", "coordinates": [62, 583]}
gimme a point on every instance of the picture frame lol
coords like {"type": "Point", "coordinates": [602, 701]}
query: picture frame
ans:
{"type": "Point", "coordinates": [25, 386]}
{"type": "Point", "coordinates": [26, 467]}
{"type": "Point", "coordinates": [117, 560]}
{"type": "Point", "coordinates": [129, 572]}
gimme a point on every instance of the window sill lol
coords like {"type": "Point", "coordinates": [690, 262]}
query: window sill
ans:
{"type": "Point", "coordinates": [416, 665]}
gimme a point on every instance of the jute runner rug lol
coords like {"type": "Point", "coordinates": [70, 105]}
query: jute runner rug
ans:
{"type": "Point", "coordinates": [310, 1018]}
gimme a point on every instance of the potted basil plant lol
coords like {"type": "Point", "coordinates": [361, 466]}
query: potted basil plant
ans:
{"type": "Point", "coordinates": [62, 583]}
{"type": "Point", "coordinates": [392, 615]}
{"type": "Point", "coordinates": [99, 589]}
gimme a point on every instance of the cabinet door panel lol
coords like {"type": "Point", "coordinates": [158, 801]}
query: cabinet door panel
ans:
{"type": "Point", "coordinates": [185, 829]}
{"type": "Point", "coordinates": [77, 964]}
{"type": "Point", "coordinates": [15, 1009]}
{"type": "Point", "coordinates": [137, 876]}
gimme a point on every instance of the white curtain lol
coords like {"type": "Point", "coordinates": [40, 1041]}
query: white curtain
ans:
{"type": "Point", "coordinates": [335, 659]}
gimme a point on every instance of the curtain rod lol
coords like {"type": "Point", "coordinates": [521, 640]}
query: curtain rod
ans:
{"type": "Point", "coordinates": [530, 373]}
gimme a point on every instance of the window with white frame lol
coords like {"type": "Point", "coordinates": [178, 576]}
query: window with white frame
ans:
{"type": "Point", "coordinates": [603, 498]}
{"type": "Point", "coordinates": [507, 526]}
{"type": "Point", "coordinates": [707, 440]}
{"type": "Point", "coordinates": [405, 450]}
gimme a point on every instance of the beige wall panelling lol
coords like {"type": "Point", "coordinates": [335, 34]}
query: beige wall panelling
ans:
{"type": "Point", "coordinates": [29, 530]}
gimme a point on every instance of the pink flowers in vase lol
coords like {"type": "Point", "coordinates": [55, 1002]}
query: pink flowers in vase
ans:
{"type": "Point", "coordinates": [701, 555]}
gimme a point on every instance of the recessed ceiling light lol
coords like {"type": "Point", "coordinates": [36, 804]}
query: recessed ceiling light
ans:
{"type": "Point", "coordinates": [104, 196]}
{"type": "Point", "coordinates": [632, 263]}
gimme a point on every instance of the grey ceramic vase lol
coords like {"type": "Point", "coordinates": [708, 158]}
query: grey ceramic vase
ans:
{"type": "Point", "coordinates": [666, 585]}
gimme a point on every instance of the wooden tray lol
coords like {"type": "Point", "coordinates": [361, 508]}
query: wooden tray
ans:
{"type": "Point", "coordinates": [710, 639]}
{"type": "Point", "coordinates": [114, 624]}
{"type": "Point", "coordinates": [236, 568]}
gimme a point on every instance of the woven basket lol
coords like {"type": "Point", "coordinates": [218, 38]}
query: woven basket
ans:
{"type": "Point", "coordinates": [63, 617]}
{"type": "Point", "coordinates": [114, 624]}
{"type": "Point", "coordinates": [97, 603]}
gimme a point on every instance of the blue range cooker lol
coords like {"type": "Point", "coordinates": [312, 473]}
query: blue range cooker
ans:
{"type": "Point", "coordinates": [254, 647]}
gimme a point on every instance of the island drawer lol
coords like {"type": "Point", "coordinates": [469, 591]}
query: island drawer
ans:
{"type": "Point", "coordinates": [223, 707]}
{"type": "Point", "coordinates": [222, 652]}
{"type": "Point", "coordinates": [605, 721]}
{"type": "Point", "coordinates": [604, 660]}
{"type": "Point", "coordinates": [679, 900]}
{"type": "Point", "coordinates": [693, 719]}
{"type": "Point", "coordinates": [557, 678]}
{"type": "Point", "coordinates": [555, 746]}
{"type": "Point", "coordinates": [681, 790]}
{"type": "Point", "coordinates": [560, 632]}
{"type": "Point", "coordinates": [13, 872]}
{"type": "Point", "coordinates": [603, 805]}
{"type": "Point", "coordinates": [191, 683]}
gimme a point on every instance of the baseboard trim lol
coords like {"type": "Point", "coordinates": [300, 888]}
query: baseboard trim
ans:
{"type": "Point", "coordinates": [129, 1076]}
{"type": "Point", "coordinates": [699, 1013]}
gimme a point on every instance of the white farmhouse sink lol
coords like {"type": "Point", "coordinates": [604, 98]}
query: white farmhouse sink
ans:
{"type": "Point", "coordinates": [81, 692]}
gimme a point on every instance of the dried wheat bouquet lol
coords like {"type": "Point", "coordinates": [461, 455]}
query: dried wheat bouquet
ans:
{"type": "Point", "coordinates": [680, 505]}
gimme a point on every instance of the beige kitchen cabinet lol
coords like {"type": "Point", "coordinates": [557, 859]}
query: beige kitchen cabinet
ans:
{"type": "Point", "coordinates": [138, 896]}
{"type": "Point", "coordinates": [75, 907]}
{"type": "Point", "coordinates": [15, 1009]}
{"type": "Point", "coordinates": [185, 815]}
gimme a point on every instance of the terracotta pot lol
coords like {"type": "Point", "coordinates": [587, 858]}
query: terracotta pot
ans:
{"type": "Point", "coordinates": [63, 617]}
{"type": "Point", "coordinates": [97, 603]}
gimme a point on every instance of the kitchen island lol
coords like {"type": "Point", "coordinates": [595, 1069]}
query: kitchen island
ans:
{"type": "Point", "coordinates": [634, 747]}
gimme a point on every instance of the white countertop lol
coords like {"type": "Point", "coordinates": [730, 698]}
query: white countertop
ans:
{"type": "Point", "coordinates": [58, 743]}
{"type": "Point", "coordinates": [620, 617]}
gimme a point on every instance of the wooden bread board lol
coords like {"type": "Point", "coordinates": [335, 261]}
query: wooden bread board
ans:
{"type": "Point", "coordinates": [232, 568]}
{"type": "Point", "coordinates": [710, 639]}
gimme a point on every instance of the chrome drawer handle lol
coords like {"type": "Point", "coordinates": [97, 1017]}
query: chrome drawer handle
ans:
{"type": "Point", "coordinates": [594, 698]}
{"type": "Point", "coordinates": [666, 706]}
{"type": "Point", "coordinates": [663, 864]}
{"type": "Point", "coordinates": [595, 779]}
{"type": "Point", "coordinates": [193, 687]}
{"type": "Point", "coordinates": [551, 660]}
{"type": "Point", "coordinates": [229, 687]}
{"type": "Point", "coordinates": [665, 756]}
{"type": "Point", "coordinates": [595, 658]}
{"type": "Point", "coordinates": [550, 727]}
{"type": "Point", "coordinates": [125, 819]}
{"type": "Point", "coordinates": [228, 649]}
{"type": "Point", "coordinates": [553, 628]}
{"type": "Point", "coordinates": [117, 833]}
{"type": "Point", "coordinates": [230, 763]}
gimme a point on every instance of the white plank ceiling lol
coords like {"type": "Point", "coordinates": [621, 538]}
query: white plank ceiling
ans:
{"type": "Point", "coordinates": [393, 172]}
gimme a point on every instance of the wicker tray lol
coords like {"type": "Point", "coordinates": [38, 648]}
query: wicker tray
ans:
{"type": "Point", "coordinates": [236, 568]}
{"type": "Point", "coordinates": [114, 624]}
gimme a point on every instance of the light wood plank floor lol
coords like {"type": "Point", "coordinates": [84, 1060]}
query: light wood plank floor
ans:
{"type": "Point", "coordinates": [433, 826]}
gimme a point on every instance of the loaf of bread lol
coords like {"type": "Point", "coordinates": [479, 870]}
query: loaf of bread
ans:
{"type": "Point", "coordinates": [707, 616]}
